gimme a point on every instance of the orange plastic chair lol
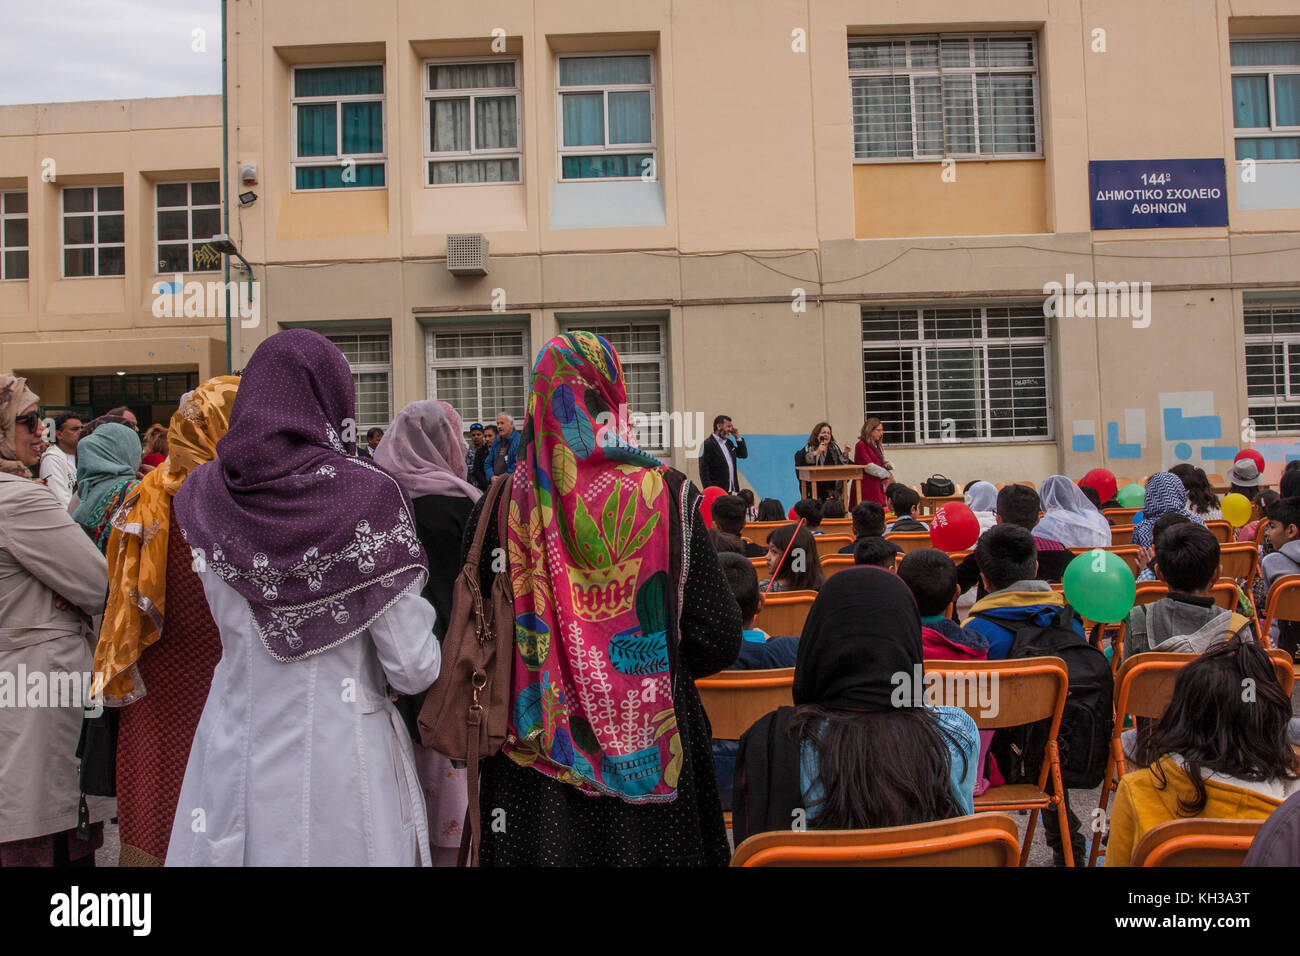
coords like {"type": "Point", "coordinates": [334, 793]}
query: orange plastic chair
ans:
{"type": "Point", "coordinates": [1283, 604]}
{"type": "Point", "coordinates": [1224, 592]}
{"type": "Point", "coordinates": [828, 544]}
{"type": "Point", "coordinates": [1222, 530]}
{"type": "Point", "coordinates": [836, 562]}
{"type": "Point", "coordinates": [1121, 534]}
{"type": "Point", "coordinates": [1196, 842]}
{"type": "Point", "coordinates": [760, 565]}
{"type": "Point", "coordinates": [1121, 515]}
{"type": "Point", "coordinates": [1143, 688]}
{"type": "Point", "coordinates": [1240, 560]}
{"type": "Point", "coordinates": [1024, 691]}
{"type": "Point", "coordinates": [984, 839]}
{"type": "Point", "coordinates": [929, 505]}
{"type": "Point", "coordinates": [734, 700]}
{"type": "Point", "coordinates": [1128, 552]}
{"type": "Point", "coordinates": [784, 612]}
{"type": "Point", "coordinates": [837, 525]}
{"type": "Point", "coordinates": [910, 540]}
{"type": "Point", "coordinates": [758, 531]}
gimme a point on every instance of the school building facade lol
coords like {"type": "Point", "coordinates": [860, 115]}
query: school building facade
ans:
{"type": "Point", "coordinates": [787, 212]}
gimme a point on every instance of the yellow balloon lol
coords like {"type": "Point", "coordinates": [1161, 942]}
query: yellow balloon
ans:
{"type": "Point", "coordinates": [1236, 509]}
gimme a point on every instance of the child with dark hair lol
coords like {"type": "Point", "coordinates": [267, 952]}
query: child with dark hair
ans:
{"type": "Point", "coordinates": [1094, 499]}
{"type": "Point", "coordinates": [868, 522]}
{"type": "Point", "coordinates": [792, 561]}
{"type": "Point", "coordinates": [1187, 621]}
{"type": "Point", "coordinates": [728, 513]}
{"type": "Point", "coordinates": [751, 506]}
{"type": "Point", "coordinates": [832, 508]}
{"type": "Point", "coordinates": [724, 543]}
{"type": "Point", "coordinates": [771, 509]}
{"type": "Point", "coordinates": [1258, 513]}
{"type": "Point", "coordinates": [1008, 562]}
{"type": "Point", "coordinates": [1283, 533]}
{"type": "Point", "coordinates": [905, 501]}
{"type": "Point", "coordinates": [810, 510]}
{"type": "Point", "coordinates": [875, 552]}
{"type": "Point", "coordinates": [1215, 753]}
{"type": "Point", "coordinates": [1146, 558]}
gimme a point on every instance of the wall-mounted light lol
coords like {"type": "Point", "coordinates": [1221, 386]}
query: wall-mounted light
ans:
{"type": "Point", "coordinates": [248, 198]}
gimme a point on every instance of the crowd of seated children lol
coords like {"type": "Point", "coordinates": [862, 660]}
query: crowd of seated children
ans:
{"type": "Point", "coordinates": [1018, 505]}
{"type": "Point", "coordinates": [1215, 753]}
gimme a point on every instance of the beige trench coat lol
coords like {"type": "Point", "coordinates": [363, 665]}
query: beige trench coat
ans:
{"type": "Point", "coordinates": [43, 552]}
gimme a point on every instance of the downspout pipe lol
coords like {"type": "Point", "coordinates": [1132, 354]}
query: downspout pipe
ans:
{"type": "Point", "coordinates": [225, 174]}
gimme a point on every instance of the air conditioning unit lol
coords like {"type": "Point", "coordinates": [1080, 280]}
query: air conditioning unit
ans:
{"type": "Point", "coordinates": [467, 254]}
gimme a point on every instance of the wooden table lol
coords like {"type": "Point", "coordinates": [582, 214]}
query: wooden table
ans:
{"type": "Point", "coordinates": [809, 475]}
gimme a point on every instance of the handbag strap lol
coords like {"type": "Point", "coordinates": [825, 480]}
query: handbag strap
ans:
{"type": "Point", "coordinates": [493, 493]}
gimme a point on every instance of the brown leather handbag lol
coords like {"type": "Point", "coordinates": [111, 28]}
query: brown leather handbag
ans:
{"type": "Point", "coordinates": [464, 713]}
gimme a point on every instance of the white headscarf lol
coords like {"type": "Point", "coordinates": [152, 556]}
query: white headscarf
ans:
{"type": "Point", "coordinates": [982, 498]}
{"type": "Point", "coordinates": [1069, 517]}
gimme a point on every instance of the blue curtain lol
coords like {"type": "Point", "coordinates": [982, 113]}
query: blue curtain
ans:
{"type": "Point", "coordinates": [1265, 52]}
{"type": "Point", "coordinates": [317, 129]}
{"type": "Point", "coordinates": [1249, 101]}
{"type": "Point", "coordinates": [331, 177]}
{"type": "Point", "coordinates": [629, 117]}
{"type": "Point", "coordinates": [584, 120]}
{"type": "Point", "coordinates": [604, 70]}
{"type": "Point", "coordinates": [338, 81]}
{"type": "Point", "coordinates": [363, 128]}
{"type": "Point", "coordinates": [601, 167]}
{"type": "Point", "coordinates": [1274, 147]}
{"type": "Point", "coordinates": [1286, 99]}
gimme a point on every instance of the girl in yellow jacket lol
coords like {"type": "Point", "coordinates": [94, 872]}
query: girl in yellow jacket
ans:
{"type": "Point", "coordinates": [1219, 752]}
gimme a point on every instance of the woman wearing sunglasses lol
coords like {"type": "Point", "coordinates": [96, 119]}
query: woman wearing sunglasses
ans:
{"type": "Point", "coordinates": [52, 577]}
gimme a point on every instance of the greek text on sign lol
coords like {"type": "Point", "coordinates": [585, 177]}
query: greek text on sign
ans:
{"type": "Point", "coordinates": [1157, 194]}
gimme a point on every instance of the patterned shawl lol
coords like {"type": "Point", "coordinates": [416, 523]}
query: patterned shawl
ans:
{"type": "Point", "coordinates": [425, 452]}
{"type": "Point", "coordinates": [319, 542]}
{"type": "Point", "coordinates": [1165, 494]}
{"type": "Point", "coordinates": [137, 548]}
{"type": "Point", "coordinates": [106, 464]}
{"type": "Point", "coordinates": [15, 398]}
{"type": "Point", "coordinates": [589, 527]}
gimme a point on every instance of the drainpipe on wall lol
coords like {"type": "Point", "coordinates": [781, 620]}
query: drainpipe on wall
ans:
{"type": "Point", "coordinates": [225, 174]}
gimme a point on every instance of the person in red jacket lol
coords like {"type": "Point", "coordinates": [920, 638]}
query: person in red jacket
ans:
{"type": "Point", "coordinates": [877, 473]}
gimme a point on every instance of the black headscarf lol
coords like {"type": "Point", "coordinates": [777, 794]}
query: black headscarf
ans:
{"type": "Point", "coordinates": [863, 629]}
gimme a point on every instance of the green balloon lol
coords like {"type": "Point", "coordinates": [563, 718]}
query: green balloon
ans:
{"type": "Point", "coordinates": [1100, 586]}
{"type": "Point", "coordinates": [1132, 496]}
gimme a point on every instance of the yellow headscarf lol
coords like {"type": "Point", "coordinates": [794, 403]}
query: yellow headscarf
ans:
{"type": "Point", "coordinates": [137, 548]}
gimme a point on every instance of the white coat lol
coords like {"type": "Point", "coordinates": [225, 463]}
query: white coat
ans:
{"type": "Point", "coordinates": [307, 763]}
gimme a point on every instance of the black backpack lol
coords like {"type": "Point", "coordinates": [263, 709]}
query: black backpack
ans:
{"type": "Point", "coordinates": [1086, 725]}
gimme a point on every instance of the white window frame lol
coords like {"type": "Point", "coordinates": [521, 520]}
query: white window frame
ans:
{"type": "Point", "coordinates": [479, 362]}
{"type": "Point", "coordinates": [608, 149]}
{"type": "Point", "coordinates": [1272, 130]}
{"type": "Point", "coordinates": [940, 71]}
{"type": "Point", "coordinates": [295, 161]}
{"type": "Point", "coordinates": [6, 249]}
{"type": "Point", "coordinates": [1289, 396]}
{"type": "Point", "coordinates": [367, 368]}
{"type": "Point", "coordinates": [189, 221]}
{"type": "Point", "coordinates": [95, 245]}
{"type": "Point", "coordinates": [597, 321]}
{"type": "Point", "coordinates": [497, 92]}
{"type": "Point", "coordinates": [922, 346]}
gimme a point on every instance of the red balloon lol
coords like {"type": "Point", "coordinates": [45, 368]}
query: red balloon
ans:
{"type": "Point", "coordinates": [954, 527]}
{"type": "Point", "coordinates": [1253, 455]}
{"type": "Point", "coordinates": [791, 515]}
{"type": "Point", "coordinates": [711, 494]}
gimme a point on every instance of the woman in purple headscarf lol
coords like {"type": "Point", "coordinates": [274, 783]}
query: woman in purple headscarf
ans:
{"type": "Point", "coordinates": [312, 568]}
{"type": "Point", "coordinates": [425, 451]}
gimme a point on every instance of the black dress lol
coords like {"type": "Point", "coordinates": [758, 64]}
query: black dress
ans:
{"type": "Point", "coordinates": [549, 823]}
{"type": "Point", "coordinates": [440, 525]}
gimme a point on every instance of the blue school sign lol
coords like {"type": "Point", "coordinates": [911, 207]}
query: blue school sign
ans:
{"type": "Point", "coordinates": [1157, 193]}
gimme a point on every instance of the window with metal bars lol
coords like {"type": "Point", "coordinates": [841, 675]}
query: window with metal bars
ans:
{"type": "Point", "coordinates": [480, 372]}
{"type": "Point", "coordinates": [1272, 328]}
{"type": "Point", "coordinates": [960, 374]}
{"type": "Point", "coordinates": [641, 347]}
{"type": "Point", "coordinates": [369, 354]}
{"type": "Point", "coordinates": [928, 97]}
{"type": "Point", "coordinates": [13, 235]}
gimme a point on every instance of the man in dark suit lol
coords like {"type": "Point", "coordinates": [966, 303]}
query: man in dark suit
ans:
{"type": "Point", "coordinates": [719, 454]}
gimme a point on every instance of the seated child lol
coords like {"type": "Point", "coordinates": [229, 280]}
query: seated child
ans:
{"type": "Point", "coordinates": [1258, 512]}
{"type": "Point", "coordinates": [868, 522]}
{"type": "Point", "coordinates": [1282, 533]}
{"type": "Point", "coordinates": [1187, 621]}
{"type": "Point", "coordinates": [751, 506]}
{"type": "Point", "coordinates": [905, 503]}
{"type": "Point", "coordinates": [1215, 753]}
{"type": "Point", "coordinates": [832, 508]}
{"type": "Point", "coordinates": [728, 513]}
{"type": "Point", "coordinates": [875, 552]}
{"type": "Point", "coordinates": [810, 509]}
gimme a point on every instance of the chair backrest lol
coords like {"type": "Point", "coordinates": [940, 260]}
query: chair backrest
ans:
{"type": "Point", "coordinates": [909, 540]}
{"type": "Point", "coordinates": [1240, 559]}
{"type": "Point", "coordinates": [831, 543]}
{"type": "Point", "coordinates": [1224, 592]}
{"type": "Point", "coordinates": [1283, 602]}
{"type": "Point", "coordinates": [959, 556]}
{"type": "Point", "coordinates": [1144, 684]}
{"type": "Point", "coordinates": [1222, 530]}
{"type": "Point", "coordinates": [836, 562]}
{"type": "Point", "coordinates": [985, 839]}
{"type": "Point", "coordinates": [930, 504]}
{"type": "Point", "coordinates": [1121, 534]}
{"type": "Point", "coordinates": [758, 531]}
{"type": "Point", "coordinates": [760, 565]}
{"type": "Point", "coordinates": [784, 612]}
{"type": "Point", "coordinates": [837, 525]}
{"type": "Point", "coordinates": [735, 699]}
{"type": "Point", "coordinates": [1128, 552]}
{"type": "Point", "coordinates": [1196, 842]}
{"type": "Point", "coordinates": [1121, 515]}
{"type": "Point", "coordinates": [1014, 692]}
